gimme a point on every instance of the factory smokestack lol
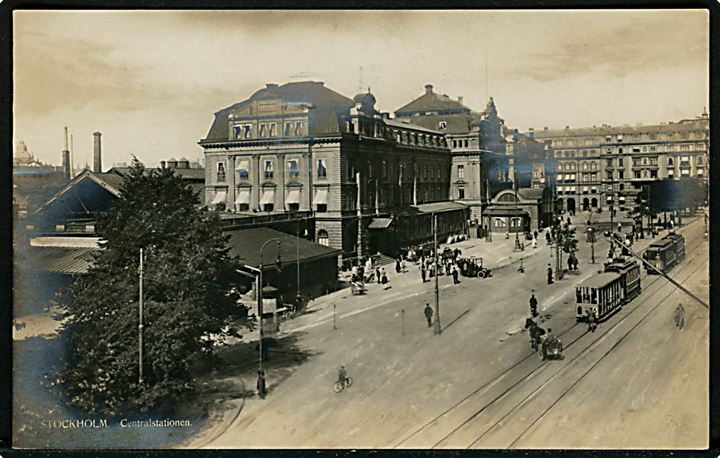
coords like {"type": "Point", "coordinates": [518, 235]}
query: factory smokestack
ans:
{"type": "Point", "coordinates": [66, 158]}
{"type": "Point", "coordinates": [97, 153]}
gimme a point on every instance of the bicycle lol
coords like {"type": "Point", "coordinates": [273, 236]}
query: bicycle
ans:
{"type": "Point", "coordinates": [342, 384]}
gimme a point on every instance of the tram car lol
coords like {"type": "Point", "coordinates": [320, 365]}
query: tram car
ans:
{"type": "Point", "coordinates": [665, 254]}
{"type": "Point", "coordinates": [608, 291]}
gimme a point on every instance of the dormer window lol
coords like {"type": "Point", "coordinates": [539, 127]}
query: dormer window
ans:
{"type": "Point", "coordinates": [237, 132]}
{"type": "Point", "coordinates": [273, 129]}
{"type": "Point", "coordinates": [288, 129]}
{"type": "Point", "coordinates": [263, 130]}
{"type": "Point", "coordinates": [247, 130]}
{"type": "Point", "coordinates": [442, 125]}
{"type": "Point", "coordinates": [298, 128]}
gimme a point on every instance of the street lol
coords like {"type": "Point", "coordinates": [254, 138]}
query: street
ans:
{"type": "Point", "coordinates": [477, 384]}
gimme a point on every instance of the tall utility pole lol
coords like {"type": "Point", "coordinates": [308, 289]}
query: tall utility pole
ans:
{"type": "Point", "coordinates": [437, 329]}
{"type": "Point", "coordinates": [260, 301]}
{"type": "Point", "coordinates": [140, 326]}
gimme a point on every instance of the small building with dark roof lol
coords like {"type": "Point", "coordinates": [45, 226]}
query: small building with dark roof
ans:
{"type": "Point", "coordinates": [524, 210]}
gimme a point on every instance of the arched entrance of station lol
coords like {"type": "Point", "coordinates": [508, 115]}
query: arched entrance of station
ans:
{"type": "Point", "coordinates": [570, 205]}
{"type": "Point", "coordinates": [586, 204]}
{"type": "Point", "coordinates": [594, 202]}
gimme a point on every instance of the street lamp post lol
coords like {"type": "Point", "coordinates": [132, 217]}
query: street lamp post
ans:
{"type": "Point", "coordinates": [610, 205]}
{"type": "Point", "coordinates": [591, 239]}
{"type": "Point", "coordinates": [437, 329]}
{"type": "Point", "coordinates": [260, 302]}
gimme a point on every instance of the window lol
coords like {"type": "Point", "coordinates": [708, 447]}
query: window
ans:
{"type": "Point", "coordinates": [593, 166]}
{"type": "Point", "coordinates": [323, 237]}
{"type": "Point", "coordinates": [653, 160]}
{"type": "Point", "coordinates": [288, 128]}
{"type": "Point", "coordinates": [442, 125]}
{"type": "Point", "coordinates": [461, 192]}
{"type": "Point", "coordinates": [247, 130]}
{"type": "Point", "coordinates": [321, 169]}
{"type": "Point", "coordinates": [454, 143]}
{"type": "Point", "coordinates": [243, 168]}
{"type": "Point", "coordinates": [461, 171]}
{"type": "Point", "coordinates": [221, 171]}
{"type": "Point", "coordinates": [652, 136]}
{"type": "Point", "coordinates": [293, 169]}
{"type": "Point", "coordinates": [384, 170]}
{"type": "Point", "coordinates": [268, 169]}
{"type": "Point", "coordinates": [619, 150]}
{"type": "Point", "coordinates": [620, 162]}
{"type": "Point", "coordinates": [621, 175]}
{"type": "Point", "coordinates": [293, 207]}
{"type": "Point", "coordinates": [298, 128]}
{"type": "Point", "coordinates": [670, 162]}
{"type": "Point", "coordinates": [698, 160]}
{"type": "Point", "coordinates": [560, 166]}
{"type": "Point", "coordinates": [636, 137]}
{"type": "Point", "coordinates": [237, 131]}
{"type": "Point", "coordinates": [593, 176]}
{"type": "Point", "coordinates": [263, 130]}
{"type": "Point", "coordinates": [465, 143]}
{"type": "Point", "coordinates": [500, 222]}
{"type": "Point", "coordinates": [608, 163]}
{"type": "Point", "coordinates": [653, 174]}
{"type": "Point", "coordinates": [321, 208]}
{"type": "Point", "coordinates": [273, 129]}
{"type": "Point", "coordinates": [608, 138]}
{"type": "Point", "coordinates": [652, 148]}
{"type": "Point", "coordinates": [637, 174]}
{"type": "Point", "coordinates": [585, 166]}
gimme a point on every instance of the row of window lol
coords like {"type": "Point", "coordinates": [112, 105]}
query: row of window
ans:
{"type": "Point", "coordinates": [636, 137]}
{"type": "Point", "coordinates": [463, 143]}
{"type": "Point", "coordinates": [293, 169]}
{"type": "Point", "coordinates": [269, 129]}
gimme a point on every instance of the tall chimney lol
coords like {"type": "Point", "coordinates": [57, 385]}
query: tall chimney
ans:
{"type": "Point", "coordinates": [460, 99]}
{"type": "Point", "coordinates": [97, 153]}
{"type": "Point", "coordinates": [428, 88]}
{"type": "Point", "coordinates": [66, 158]}
{"type": "Point", "coordinates": [72, 157]}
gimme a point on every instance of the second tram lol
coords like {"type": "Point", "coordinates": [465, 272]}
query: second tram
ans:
{"type": "Point", "coordinates": [608, 291]}
{"type": "Point", "coordinates": [665, 254]}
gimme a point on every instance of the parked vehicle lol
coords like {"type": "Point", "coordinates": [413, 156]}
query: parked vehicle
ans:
{"type": "Point", "coordinates": [472, 267]}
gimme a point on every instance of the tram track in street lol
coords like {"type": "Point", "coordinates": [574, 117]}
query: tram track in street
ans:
{"type": "Point", "coordinates": [638, 302]}
{"type": "Point", "coordinates": [591, 347]}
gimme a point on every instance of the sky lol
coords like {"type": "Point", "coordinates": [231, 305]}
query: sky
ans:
{"type": "Point", "coordinates": [150, 81]}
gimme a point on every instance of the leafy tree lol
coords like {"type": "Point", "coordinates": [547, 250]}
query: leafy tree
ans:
{"type": "Point", "coordinates": [189, 298]}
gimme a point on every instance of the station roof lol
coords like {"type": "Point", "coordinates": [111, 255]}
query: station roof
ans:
{"type": "Point", "coordinates": [62, 260]}
{"type": "Point", "coordinates": [246, 243]}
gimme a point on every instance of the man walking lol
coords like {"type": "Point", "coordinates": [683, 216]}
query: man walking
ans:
{"type": "Point", "coordinates": [680, 316]}
{"type": "Point", "coordinates": [428, 314]}
{"type": "Point", "coordinates": [423, 273]}
{"type": "Point", "coordinates": [533, 305]}
{"type": "Point", "coordinates": [455, 276]}
{"type": "Point", "coordinates": [592, 320]}
{"type": "Point", "coordinates": [549, 275]}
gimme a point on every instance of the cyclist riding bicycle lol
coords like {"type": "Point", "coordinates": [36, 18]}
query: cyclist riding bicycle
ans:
{"type": "Point", "coordinates": [342, 374]}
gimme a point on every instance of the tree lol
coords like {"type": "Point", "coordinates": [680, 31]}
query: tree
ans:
{"type": "Point", "coordinates": [190, 301]}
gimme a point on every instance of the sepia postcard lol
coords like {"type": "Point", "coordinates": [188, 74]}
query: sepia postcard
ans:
{"type": "Point", "coordinates": [351, 229]}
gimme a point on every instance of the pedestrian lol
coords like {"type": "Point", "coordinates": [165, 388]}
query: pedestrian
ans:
{"type": "Point", "coordinates": [383, 275]}
{"type": "Point", "coordinates": [591, 319]}
{"type": "Point", "coordinates": [534, 242]}
{"type": "Point", "coordinates": [533, 306]}
{"type": "Point", "coordinates": [261, 389]}
{"type": "Point", "coordinates": [547, 237]}
{"type": "Point", "coordinates": [535, 234]}
{"type": "Point", "coordinates": [568, 221]}
{"type": "Point", "coordinates": [549, 275]}
{"type": "Point", "coordinates": [377, 274]}
{"type": "Point", "coordinates": [402, 265]}
{"type": "Point", "coordinates": [680, 316]}
{"type": "Point", "coordinates": [423, 273]}
{"type": "Point", "coordinates": [397, 265]}
{"type": "Point", "coordinates": [428, 314]}
{"type": "Point", "coordinates": [455, 276]}
{"type": "Point", "coordinates": [619, 227]}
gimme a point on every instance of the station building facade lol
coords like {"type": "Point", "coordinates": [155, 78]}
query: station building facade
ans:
{"type": "Point", "coordinates": [370, 182]}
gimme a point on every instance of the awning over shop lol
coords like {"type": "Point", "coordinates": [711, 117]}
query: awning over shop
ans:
{"type": "Point", "coordinates": [321, 196]}
{"type": "Point", "coordinates": [380, 223]}
{"type": "Point", "coordinates": [437, 207]}
{"type": "Point", "coordinates": [243, 196]}
{"type": "Point", "coordinates": [268, 196]}
{"type": "Point", "coordinates": [220, 196]}
{"type": "Point", "coordinates": [243, 168]}
{"type": "Point", "coordinates": [293, 196]}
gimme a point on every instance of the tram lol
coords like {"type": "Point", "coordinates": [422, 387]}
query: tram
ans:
{"type": "Point", "coordinates": [608, 291]}
{"type": "Point", "coordinates": [665, 254]}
